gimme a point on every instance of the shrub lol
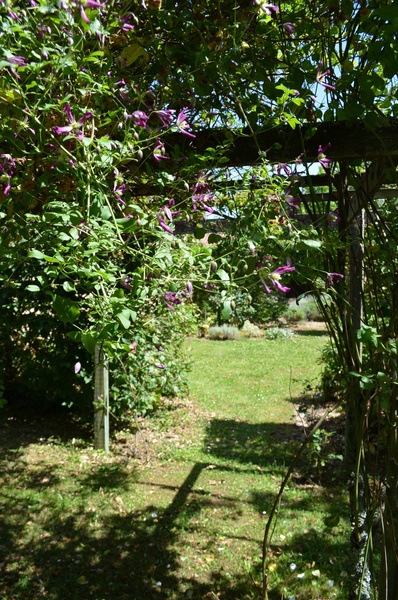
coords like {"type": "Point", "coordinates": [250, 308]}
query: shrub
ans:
{"type": "Point", "coordinates": [268, 308]}
{"type": "Point", "coordinates": [224, 332]}
{"type": "Point", "coordinates": [277, 333]}
{"type": "Point", "coordinates": [250, 330]}
{"type": "Point", "coordinates": [312, 311]}
{"type": "Point", "coordinates": [294, 314]}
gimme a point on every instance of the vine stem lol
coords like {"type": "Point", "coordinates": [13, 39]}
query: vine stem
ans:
{"type": "Point", "coordinates": [274, 510]}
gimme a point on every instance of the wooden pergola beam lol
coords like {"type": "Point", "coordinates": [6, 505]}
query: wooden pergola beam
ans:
{"type": "Point", "coordinates": [349, 141]}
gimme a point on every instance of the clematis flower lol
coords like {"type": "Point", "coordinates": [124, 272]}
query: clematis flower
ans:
{"type": "Point", "coordinates": [292, 202]}
{"type": "Point", "coordinates": [321, 76]}
{"type": "Point", "coordinates": [164, 225]}
{"type": "Point", "coordinates": [123, 22]}
{"type": "Point", "coordinates": [289, 28]}
{"type": "Point", "coordinates": [331, 279]}
{"type": "Point", "coordinates": [166, 116]}
{"type": "Point", "coordinates": [325, 162]}
{"type": "Point", "coordinates": [182, 124]}
{"type": "Point", "coordinates": [88, 4]}
{"type": "Point", "coordinates": [268, 9]}
{"type": "Point", "coordinates": [283, 167]}
{"type": "Point", "coordinates": [276, 275]}
{"type": "Point", "coordinates": [19, 61]}
{"type": "Point", "coordinates": [7, 168]}
{"type": "Point", "coordinates": [159, 151]}
{"type": "Point", "coordinates": [201, 193]}
{"type": "Point", "coordinates": [171, 298]}
{"type": "Point", "coordinates": [74, 125]}
{"type": "Point", "coordinates": [169, 214]}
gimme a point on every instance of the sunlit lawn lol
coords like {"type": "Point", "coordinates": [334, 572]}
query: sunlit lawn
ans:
{"type": "Point", "coordinates": [186, 518]}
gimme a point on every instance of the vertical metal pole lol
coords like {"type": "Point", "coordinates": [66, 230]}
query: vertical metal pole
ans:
{"type": "Point", "coordinates": [101, 401]}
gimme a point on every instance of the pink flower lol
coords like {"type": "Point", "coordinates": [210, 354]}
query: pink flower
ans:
{"type": "Point", "coordinates": [182, 124]}
{"type": "Point", "coordinates": [166, 116]}
{"type": "Point", "coordinates": [140, 118]}
{"type": "Point", "coordinates": [74, 125]}
{"type": "Point", "coordinates": [320, 76]}
{"type": "Point", "coordinates": [325, 162]}
{"type": "Point", "coordinates": [275, 276]}
{"type": "Point", "coordinates": [267, 8]}
{"type": "Point", "coordinates": [78, 366]}
{"type": "Point", "coordinates": [330, 279]}
{"type": "Point", "coordinates": [159, 151]}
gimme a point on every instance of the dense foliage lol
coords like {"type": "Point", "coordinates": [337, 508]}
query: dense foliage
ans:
{"type": "Point", "coordinates": [104, 160]}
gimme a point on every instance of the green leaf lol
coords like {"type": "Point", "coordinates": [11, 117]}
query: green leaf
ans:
{"type": "Point", "coordinates": [68, 287]}
{"type": "Point", "coordinates": [199, 233]}
{"type": "Point", "coordinates": [124, 317]}
{"type": "Point", "coordinates": [33, 288]}
{"type": "Point", "coordinates": [39, 255]}
{"type": "Point", "coordinates": [223, 275]}
{"type": "Point", "coordinates": [89, 341]}
{"type": "Point", "coordinates": [66, 310]}
{"type": "Point", "coordinates": [214, 238]}
{"type": "Point", "coordinates": [312, 243]}
{"type": "Point", "coordinates": [227, 310]}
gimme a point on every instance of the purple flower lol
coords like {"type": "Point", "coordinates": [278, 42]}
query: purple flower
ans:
{"type": "Point", "coordinates": [7, 168]}
{"type": "Point", "coordinates": [182, 124]}
{"type": "Point", "coordinates": [330, 279]}
{"type": "Point", "coordinates": [164, 225]}
{"type": "Point", "coordinates": [189, 288]}
{"type": "Point", "coordinates": [125, 283]}
{"type": "Point", "coordinates": [78, 366]}
{"type": "Point", "coordinates": [320, 76]}
{"type": "Point", "coordinates": [159, 151]}
{"type": "Point", "coordinates": [88, 4]}
{"type": "Point", "coordinates": [267, 8]}
{"type": "Point", "coordinates": [289, 28]}
{"type": "Point", "coordinates": [170, 298]}
{"type": "Point", "coordinates": [292, 202]}
{"type": "Point", "coordinates": [20, 61]}
{"type": "Point", "coordinates": [166, 116]}
{"type": "Point", "coordinates": [74, 125]}
{"type": "Point", "coordinates": [140, 118]}
{"type": "Point", "coordinates": [123, 22]}
{"type": "Point", "coordinates": [160, 365]}
{"type": "Point", "coordinates": [133, 347]}
{"type": "Point", "coordinates": [201, 193]}
{"type": "Point", "coordinates": [275, 278]}
{"type": "Point", "coordinates": [325, 162]}
{"type": "Point", "coordinates": [285, 167]}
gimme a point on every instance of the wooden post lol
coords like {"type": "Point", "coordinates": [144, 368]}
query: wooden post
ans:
{"type": "Point", "coordinates": [101, 401]}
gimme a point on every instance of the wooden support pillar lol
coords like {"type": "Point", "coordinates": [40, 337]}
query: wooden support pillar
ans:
{"type": "Point", "coordinates": [101, 401]}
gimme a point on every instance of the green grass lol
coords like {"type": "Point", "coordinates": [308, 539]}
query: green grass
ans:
{"type": "Point", "coordinates": [186, 518]}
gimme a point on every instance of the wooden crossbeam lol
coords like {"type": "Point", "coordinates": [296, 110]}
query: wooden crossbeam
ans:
{"type": "Point", "coordinates": [349, 141]}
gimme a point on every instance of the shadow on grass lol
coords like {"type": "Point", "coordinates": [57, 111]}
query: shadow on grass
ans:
{"type": "Point", "coordinates": [311, 332]}
{"type": "Point", "coordinates": [53, 545]}
{"type": "Point", "coordinates": [62, 550]}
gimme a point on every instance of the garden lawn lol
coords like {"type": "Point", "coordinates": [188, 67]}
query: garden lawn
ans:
{"type": "Point", "coordinates": [178, 509]}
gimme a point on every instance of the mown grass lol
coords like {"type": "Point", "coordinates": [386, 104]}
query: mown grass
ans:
{"type": "Point", "coordinates": [177, 510]}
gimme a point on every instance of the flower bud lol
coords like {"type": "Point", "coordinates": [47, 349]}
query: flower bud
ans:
{"type": "Point", "coordinates": [213, 265]}
{"type": "Point", "coordinates": [233, 304]}
{"type": "Point", "coordinates": [140, 154]}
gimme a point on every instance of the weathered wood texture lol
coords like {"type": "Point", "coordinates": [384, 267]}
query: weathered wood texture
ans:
{"type": "Point", "coordinates": [349, 141]}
